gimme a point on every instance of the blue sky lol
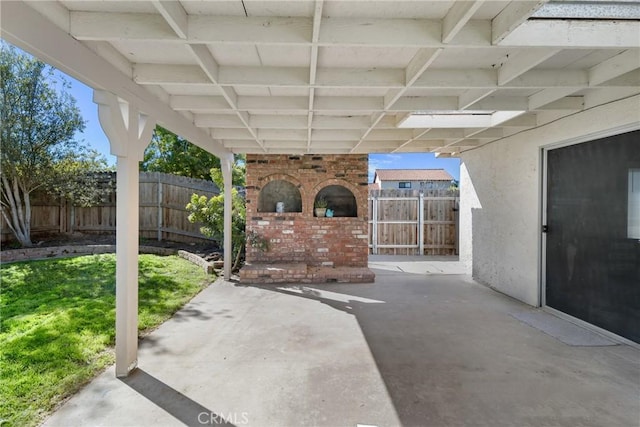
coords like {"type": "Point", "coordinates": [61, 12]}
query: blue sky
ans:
{"type": "Point", "coordinates": [94, 137]}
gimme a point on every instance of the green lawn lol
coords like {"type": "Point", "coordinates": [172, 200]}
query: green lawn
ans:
{"type": "Point", "coordinates": [57, 327]}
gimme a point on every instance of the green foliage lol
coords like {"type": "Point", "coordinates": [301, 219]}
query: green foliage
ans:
{"type": "Point", "coordinates": [58, 324]}
{"type": "Point", "coordinates": [37, 129]}
{"type": "Point", "coordinates": [172, 154]}
{"type": "Point", "coordinates": [258, 241]}
{"type": "Point", "coordinates": [321, 203]}
{"type": "Point", "coordinates": [210, 212]}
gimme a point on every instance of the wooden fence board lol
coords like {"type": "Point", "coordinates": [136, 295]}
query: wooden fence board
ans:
{"type": "Point", "coordinates": [163, 198]}
{"type": "Point", "coordinates": [394, 222]}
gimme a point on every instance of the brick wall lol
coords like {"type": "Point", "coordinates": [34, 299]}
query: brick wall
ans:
{"type": "Point", "coordinates": [299, 236]}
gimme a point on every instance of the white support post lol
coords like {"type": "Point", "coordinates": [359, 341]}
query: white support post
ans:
{"type": "Point", "coordinates": [227, 165]}
{"type": "Point", "coordinates": [129, 133]}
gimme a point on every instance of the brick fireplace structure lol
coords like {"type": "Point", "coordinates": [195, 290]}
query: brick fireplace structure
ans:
{"type": "Point", "coordinates": [300, 246]}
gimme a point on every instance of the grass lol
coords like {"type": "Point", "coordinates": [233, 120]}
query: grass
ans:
{"type": "Point", "coordinates": [57, 329]}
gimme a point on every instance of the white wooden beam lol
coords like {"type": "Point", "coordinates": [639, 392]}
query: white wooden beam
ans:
{"type": "Point", "coordinates": [522, 62]}
{"type": "Point", "coordinates": [217, 121]}
{"type": "Point", "coordinates": [440, 134]}
{"type": "Point", "coordinates": [56, 47]}
{"type": "Point", "coordinates": [338, 122]}
{"type": "Point", "coordinates": [547, 96]}
{"type": "Point", "coordinates": [230, 133]}
{"type": "Point", "coordinates": [199, 103]}
{"type": "Point", "coordinates": [159, 74]}
{"type": "Point", "coordinates": [458, 79]}
{"type": "Point", "coordinates": [273, 103]}
{"type": "Point", "coordinates": [278, 122]}
{"type": "Point", "coordinates": [251, 30]}
{"type": "Point", "coordinates": [264, 76]}
{"type": "Point", "coordinates": [390, 135]}
{"type": "Point", "coordinates": [457, 17]}
{"type": "Point", "coordinates": [511, 17]}
{"type": "Point", "coordinates": [356, 77]}
{"type": "Point", "coordinates": [623, 63]}
{"type": "Point", "coordinates": [154, 74]}
{"type": "Point", "coordinates": [315, 36]}
{"type": "Point", "coordinates": [571, 33]}
{"type": "Point", "coordinates": [399, 32]}
{"type": "Point", "coordinates": [574, 103]}
{"type": "Point", "coordinates": [418, 103]}
{"type": "Point", "coordinates": [174, 14]}
{"type": "Point", "coordinates": [206, 29]}
{"type": "Point", "coordinates": [348, 103]}
{"type": "Point", "coordinates": [209, 65]}
{"type": "Point", "coordinates": [283, 134]}
{"type": "Point", "coordinates": [120, 27]}
{"type": "Point", "coordinates": [313, 65]}
{"type": "Point", "coordinates": [471, 96]}
{"type": "Point", "coordinates": [335, 135]}
{"type": "Point", "coordinates": [546, 79]}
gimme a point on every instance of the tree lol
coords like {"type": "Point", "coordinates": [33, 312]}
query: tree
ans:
{"type": "Point", "coordinates": [210, 212]}
{"type": "Point", "coordinates": [39, 151]}
{"type": "Point", "coordinates": [172, 154]}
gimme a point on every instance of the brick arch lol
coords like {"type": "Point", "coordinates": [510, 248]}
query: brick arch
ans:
{"type": "Point", "coordinates": [264, 181]}
{"type": "Point", "coordinates": [358, 193]}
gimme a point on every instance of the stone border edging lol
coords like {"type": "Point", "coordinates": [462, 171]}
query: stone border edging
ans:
{"type": "Point", "coordinates": [33, 254]}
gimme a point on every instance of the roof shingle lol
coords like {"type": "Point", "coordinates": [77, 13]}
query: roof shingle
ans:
{"type": "Point", "coordinates": [413, 175]}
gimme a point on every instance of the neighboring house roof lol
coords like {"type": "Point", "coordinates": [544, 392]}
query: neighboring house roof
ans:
{"type": "Point", "coordinates": [413, 175]}
{"type": "Point", "coordinates": [374, 186]}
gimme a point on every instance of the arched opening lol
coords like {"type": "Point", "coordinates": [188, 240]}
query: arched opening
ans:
{"type": "Point", "coordinates": [276, 191]}
{"type": "Point", "coordinates": [339, 199]}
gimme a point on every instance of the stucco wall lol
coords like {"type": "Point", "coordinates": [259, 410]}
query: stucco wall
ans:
{"type": "Point", "coordinates": [500, 203]}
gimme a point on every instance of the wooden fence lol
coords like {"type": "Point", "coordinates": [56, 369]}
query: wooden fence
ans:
{"type": "Point", "coordinates": [408, 222]}
{"type": "Point", "coordinates": [163, 216]}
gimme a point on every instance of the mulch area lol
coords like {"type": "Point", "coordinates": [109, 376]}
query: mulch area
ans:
{"type": "Point", "coordinates": [209, 251]}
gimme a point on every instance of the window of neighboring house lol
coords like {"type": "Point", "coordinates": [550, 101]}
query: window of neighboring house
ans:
{"type": "Point", "coordinates": [404, 184]}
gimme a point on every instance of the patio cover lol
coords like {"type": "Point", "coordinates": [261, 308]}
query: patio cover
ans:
{"type": "Point", "coordinates": [328, 76]}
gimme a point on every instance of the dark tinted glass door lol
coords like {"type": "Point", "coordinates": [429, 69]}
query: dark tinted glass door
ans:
{"type": "Point", "coordinates": [593, 239]}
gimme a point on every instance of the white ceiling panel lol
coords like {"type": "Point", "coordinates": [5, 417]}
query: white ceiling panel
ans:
{"type": "Point", "coordinates": [279, 8]}
{"type": "Point", "coordinates": [178, 89]}
{"type": "Point", "coordinates": [364, 57]}
{"type": "Point", "coordinates": [224, 8]}
{"type": "Point", "coordinates": [110, 6]}
{"type": "Point", "coordinates": [388, 9]}
{"type": "Point", "coordinates": [351, 92]}
{"type": "Point", "coordinates": [458, 58]}
{"type": "Point", "coordinates": [235, 55]}
{"type": "Point", "coordinates": [284, 56]}
{"type": "Point", "coordinates": [289, 71]}
{"type": "Point", "coordinates": [154, 52]}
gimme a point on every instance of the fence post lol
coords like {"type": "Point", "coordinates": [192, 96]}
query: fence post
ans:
{"type": "Point", "coordinates": [456, 218]}
{"type": "Point", "coordinates": [160, 213]}
{"type": "Point", "coordinates": [421, 223]}
{"type": "Point", "coordinates": [374, 225]}
{"type": "Point", "coordinates": [72, 217]}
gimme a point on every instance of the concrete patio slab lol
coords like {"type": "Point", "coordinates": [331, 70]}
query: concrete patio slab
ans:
{"type": "Point", "coordinates": [418, 264]}
{"type": "Point", "coordinates": [410, 349]}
